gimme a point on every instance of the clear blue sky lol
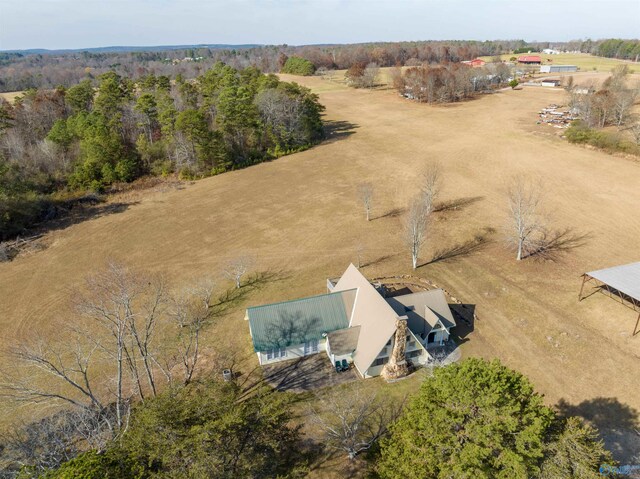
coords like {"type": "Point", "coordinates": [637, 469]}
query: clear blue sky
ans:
{"type": "Point", "coordinates": [93, 23]}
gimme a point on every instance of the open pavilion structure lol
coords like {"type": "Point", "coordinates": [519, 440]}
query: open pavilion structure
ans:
{"type": "Point", "coordinates": [621, 283]}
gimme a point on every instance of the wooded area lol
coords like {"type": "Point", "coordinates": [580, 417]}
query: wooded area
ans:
{"type": "Point", "coordinates": [20, 71]}
{"type": "Point", "coordinates": [97, 133]}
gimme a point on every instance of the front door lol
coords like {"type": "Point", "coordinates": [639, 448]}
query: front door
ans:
{"type": "Point", "coordinates": [311, 347]}
{"type": "Point", "coordinates": [431, 338]}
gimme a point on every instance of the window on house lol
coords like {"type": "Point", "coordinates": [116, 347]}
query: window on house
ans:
{"type": "Point", "coordinates": [276, 353]}
{"type": "Point", "coordinates": [414, 354]}
{"type": "Point", "coordinates": [383, 352]}
{"type": "Point", "coordinates": [311, 347]}
{"type": "Point", "coordinates": [411, 344]}
{"type": "Point", "coordinates": [380, 361]}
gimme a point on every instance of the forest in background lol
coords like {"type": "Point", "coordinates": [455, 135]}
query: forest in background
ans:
{"type": "Point", "coordinates": [21, 71]}
{"type": "Point", "coordinates": [114, 129]}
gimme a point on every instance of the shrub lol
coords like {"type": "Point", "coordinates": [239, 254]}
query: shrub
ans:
{"type": "Point", "coordinates": [514, 83]}
{"type": "Point", "coordinates": [298, 66]}
{"type": "Point", "coordinates": [579, 132]}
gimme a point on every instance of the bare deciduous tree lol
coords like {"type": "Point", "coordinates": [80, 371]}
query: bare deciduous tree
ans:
{"type": "Point", "coordinates": [237, 268]}
{"type": "Point", "coordinates": [365, 194]}
{"type": "Point", "coordinates": [524, 198]}
{"type": "Point", "coordinates": [415, 228]}
{"type": "Point", "coordinates": [116, 355]}
{"type": "Point", "coordinates": [431, 183]}
{"type": "Point", "coordinates": [370, 75]}
{"type": "Point", "coordinates": [354, 421]}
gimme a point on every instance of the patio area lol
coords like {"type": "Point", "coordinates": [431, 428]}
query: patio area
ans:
{"type": "Point", "coordinates": [306, 374]}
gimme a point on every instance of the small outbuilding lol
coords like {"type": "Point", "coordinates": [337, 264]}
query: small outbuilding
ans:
{"type": "Point", "coordinates": [550, 82]}
{"type": "Point", "coordinates": [621, 283]}
{"type": "Point", "coordinates": [558, 68]}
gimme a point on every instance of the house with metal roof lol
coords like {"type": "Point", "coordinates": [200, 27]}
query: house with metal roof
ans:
{"type": "Point", "coordinates": [353, 322]}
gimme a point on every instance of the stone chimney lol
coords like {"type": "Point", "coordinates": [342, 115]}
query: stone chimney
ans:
{"type": "Point", "coordinates": [397, 365]}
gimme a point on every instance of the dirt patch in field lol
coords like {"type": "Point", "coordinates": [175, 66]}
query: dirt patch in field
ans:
{"type": "Point", "coordinates": [299, 216]}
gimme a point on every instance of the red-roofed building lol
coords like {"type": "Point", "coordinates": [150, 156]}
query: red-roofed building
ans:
{"type": "Point", "coordinates": [530, 59]}
{"type": "Point", "coordinates": [477, 63]}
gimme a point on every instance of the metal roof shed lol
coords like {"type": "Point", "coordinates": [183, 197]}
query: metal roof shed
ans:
{"type": "Point", "coordinates": [619, 282]}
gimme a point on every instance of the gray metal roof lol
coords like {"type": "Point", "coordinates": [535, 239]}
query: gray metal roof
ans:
{"type": "Point", "coordinates": [625, 278]}
{"type": "Point", "coordinates": [344, 341]}
{"type": "Point", "coordinates": [288, 323]}
{"type": "Point", "coordinates": [423, 310]}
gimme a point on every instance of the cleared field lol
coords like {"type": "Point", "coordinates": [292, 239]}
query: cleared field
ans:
{"type": "Point", "coordinates": [584, 61]}
{"type": "Point", "coordinates": [298, 216]}
{"type": "Point", "coordinates": [10, 96]}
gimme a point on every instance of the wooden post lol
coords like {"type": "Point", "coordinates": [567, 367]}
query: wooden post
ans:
{"type": "Point", "coordinates": [584, 280]}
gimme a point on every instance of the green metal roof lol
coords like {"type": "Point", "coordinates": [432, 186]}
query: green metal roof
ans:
{"type": "Point", "coordinates": [294, 322]}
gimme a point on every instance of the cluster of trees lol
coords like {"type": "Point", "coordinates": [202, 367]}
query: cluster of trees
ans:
{"type": "Point", "coordinates": [481, 419]}
{"type": "Point", "coordinates": [115, 130]}
{"type": "Point", "coordinates": [609, 105]}
{"type": "Point", "coordinates": [205, 429]}
{"type": "Point", "coordinates": [297, 66]}
{"type": "Point", "coordinates": [450, 82]}
{"type": "Point", "coordinates": [360, 75]}
{"type": "Point", "coordinates": [132, 339]}
{"type": "Point", "coordinates": [616, 48]}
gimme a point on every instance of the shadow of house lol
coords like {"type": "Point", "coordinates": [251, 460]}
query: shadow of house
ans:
{"type": "Point", "coordinates": [465, 316]}
{"type": "Point", "coordinates": [618, 424]}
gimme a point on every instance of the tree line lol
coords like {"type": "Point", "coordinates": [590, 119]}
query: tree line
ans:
{"type": "Point", "coordinates": [617, 48]}
{"type": "Point", "coordinates": [113, 129]}
{"type": "Point", "coordinates": [23, 71]}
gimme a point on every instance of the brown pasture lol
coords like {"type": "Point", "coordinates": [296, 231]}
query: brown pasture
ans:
{"type": "Point", "coordinates": [299, 218]}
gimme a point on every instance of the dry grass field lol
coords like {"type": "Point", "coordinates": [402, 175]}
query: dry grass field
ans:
{"type": "Point", "coordinates": [299, 218]}
{"type": "Point", "coordinates": [584, 61]}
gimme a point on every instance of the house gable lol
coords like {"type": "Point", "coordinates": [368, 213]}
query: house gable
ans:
{"type": "Point", "coordinates": [377, 320]}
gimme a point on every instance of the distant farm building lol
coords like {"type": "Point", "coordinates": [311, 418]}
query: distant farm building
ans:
{"type": "Point", "coordinates": [529, 60]}
{"type": "Point", "coordinates": [550, 51]}
{"type": "Point", "coordinates": [550, 82]}
{"type": "Point", "coordinates": [558, 68]}
{"type": "Point", "coordinates": [476, 63]}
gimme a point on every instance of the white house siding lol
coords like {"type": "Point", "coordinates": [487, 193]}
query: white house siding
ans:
{"type": "Point", "coordinates": [293, 352]}
{"type": "Point", "coordinates": [441, 337]}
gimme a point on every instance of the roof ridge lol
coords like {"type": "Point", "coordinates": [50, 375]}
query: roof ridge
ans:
{"type": "Point", "coordinates": [302, 299]}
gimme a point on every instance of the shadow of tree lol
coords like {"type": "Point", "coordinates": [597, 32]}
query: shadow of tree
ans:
{"type": "Point", "coordinates": [338, 129]}
{"type": "Point", "coordinates": [232, 296]}
{"type": "Point", "coordinates": [392, 213]}
{"type": "Point", "coordinates": [466, 248]}
{"type": "Point", "coordinates": [456, 204]}
{"type": "Point", "coordinates": [618, 423]}
{"type": "Point", "coordinates": [378, 260]}
{"type": "Point", "coordinates": [58, 216]}
{"type": "Point", "coordinates": [551, 244]}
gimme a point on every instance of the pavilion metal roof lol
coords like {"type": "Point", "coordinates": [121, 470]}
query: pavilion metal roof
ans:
{"type": "Point", "coordinates": [624, 278]}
